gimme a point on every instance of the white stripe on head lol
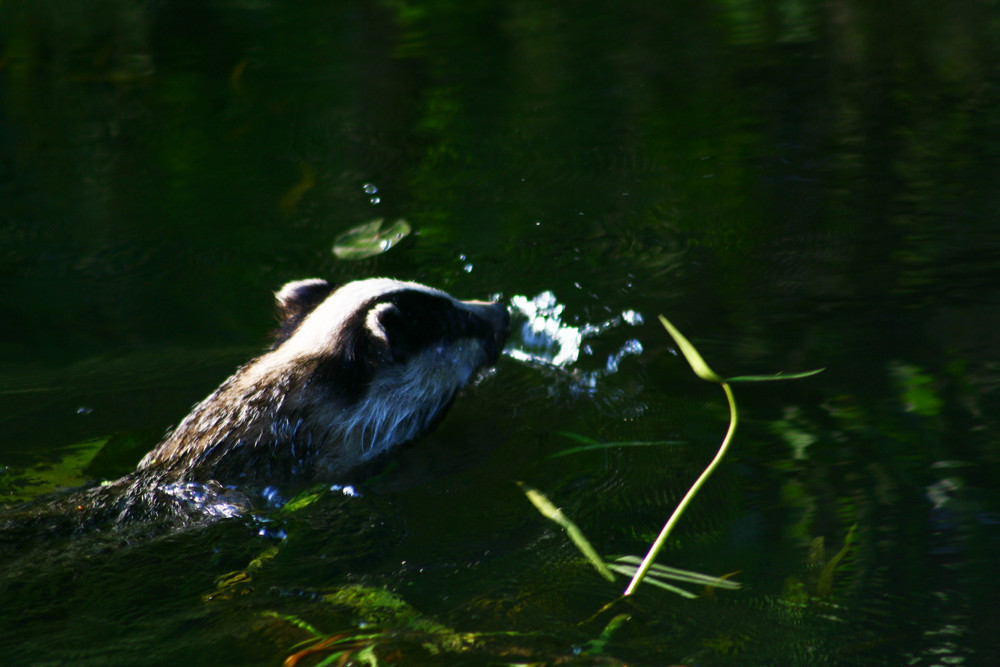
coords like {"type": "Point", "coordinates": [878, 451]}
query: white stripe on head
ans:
{"type": "Point", "coordinates": [323, 325]}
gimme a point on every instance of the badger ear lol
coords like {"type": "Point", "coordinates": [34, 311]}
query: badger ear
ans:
{"type": "Point", "coordinates": [384, 323]}
{"type": "Point", "coordinates": [296, 300]}
{"type": "Point", "coordinates": [299, 297]}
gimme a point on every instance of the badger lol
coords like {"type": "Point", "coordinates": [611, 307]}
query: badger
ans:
{"type": "Point", "coordinates": [353, 372]}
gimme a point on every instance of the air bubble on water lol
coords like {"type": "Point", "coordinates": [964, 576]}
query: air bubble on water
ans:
{"type": "Point", "coordinates": [467, 268]}
{"type": "Point", "coordinates": [369, 188]}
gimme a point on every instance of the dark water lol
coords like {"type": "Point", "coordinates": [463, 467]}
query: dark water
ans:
{"type": "Point", "coordinates": [795, 184]}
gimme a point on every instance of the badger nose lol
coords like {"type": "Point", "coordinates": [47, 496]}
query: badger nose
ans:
{"type": "Point", "coordinates": [502, 324]}
{"type": "Point", "coordinates": [497, 317]}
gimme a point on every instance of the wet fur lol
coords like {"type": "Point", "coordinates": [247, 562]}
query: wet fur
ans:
{"type": "Point", "coordinates": [352, 373]}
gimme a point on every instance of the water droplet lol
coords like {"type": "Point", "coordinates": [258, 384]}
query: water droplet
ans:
{"type": "Point", "coordinates": [370, 188]}
{"type": "Point", "coordinates": [632, 317]}
{"type": "Point", "coordinates": [375, 200]}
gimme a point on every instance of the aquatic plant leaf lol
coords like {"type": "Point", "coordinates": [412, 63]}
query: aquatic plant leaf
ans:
{"type": "Point", "coordinates": [239, 582]}
{"type": "Point", "coordinates": [292, 620]}
{"type": "Point", "coordinates": [340, 658]}
{"type": "Point", "coordinates": [698, 364]}
{"type": "Point", "coordinates": [824, 587]}
{"type": "Point", "coordinates": [597, 646]}
{"type": "Point", "coordinates": [68, 472]}
{"type": "Point", "coordinates": [377, 606]}
{"type": "Point", "coordinates": [261, 560]}
{"type": "Point", "coordinates": [304, 499]}
{"type": "Point", "coordinates": [589, 444]}
{"type": "Point", "coordinates": [703, 371]}
{"type": "Point", "coordinates": [579, 437]}
{"type": "Point", "coordinates": [917, 389]}
{"type": "Point", "coordinates": [550, 511]}
{"type": "Point", "coordinates": [676, 574]}
{"type": "Point", "coordinates": [776, 376]}
{"type": "Point", "coordinates": [322, 645]}
{"type": "Point", "coordinates": [658, 574]}
{"type": "Point", "coordinates": [661, 539]}
{"type": "Point", "coordinates": [652, 579]}
{"type": "Point", "coordinates": [370, 239]}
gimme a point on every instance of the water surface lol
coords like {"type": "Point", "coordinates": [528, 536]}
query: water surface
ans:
{"type": "Point", "coordinates": [796, 185]}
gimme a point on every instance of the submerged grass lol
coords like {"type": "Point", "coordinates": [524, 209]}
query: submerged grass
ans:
{"type": "Point", "coordinates": [550, 511]}
{"type": "Point", "coordinates": [702, 370]}
{"type": "Point", "coordinates": [632, 566]}
{"type": "Point", "coordinates": [589, 444]}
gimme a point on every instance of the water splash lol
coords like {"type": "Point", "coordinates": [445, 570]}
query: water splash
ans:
{"type": "Point", "coordinates": [211, 499]}
{"type": "Point", "coordinates": [540, 337]}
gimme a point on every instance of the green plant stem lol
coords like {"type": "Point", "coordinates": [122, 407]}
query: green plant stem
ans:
{"type": "Point", "coordinates": [688, 497]}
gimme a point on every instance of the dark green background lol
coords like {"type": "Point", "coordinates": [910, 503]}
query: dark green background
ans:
{"type": "Point", "coordinates": [795, 184]}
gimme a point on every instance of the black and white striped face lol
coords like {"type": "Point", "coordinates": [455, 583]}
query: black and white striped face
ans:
{"type": "Point", "coordinates": [391, 354]}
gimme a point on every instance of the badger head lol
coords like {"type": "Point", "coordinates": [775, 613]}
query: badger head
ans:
{"type": "Point", "coordinates": [386, 358]}
{"type": "Point", "coordinates": [353, 372]}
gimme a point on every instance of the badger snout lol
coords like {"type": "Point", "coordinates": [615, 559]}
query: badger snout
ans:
{"type": "Point", "coordinates": [497, 320]}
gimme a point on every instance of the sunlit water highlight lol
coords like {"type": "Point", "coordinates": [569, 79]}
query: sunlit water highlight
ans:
{"type": "Point", "coordinates": [540, 337]}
